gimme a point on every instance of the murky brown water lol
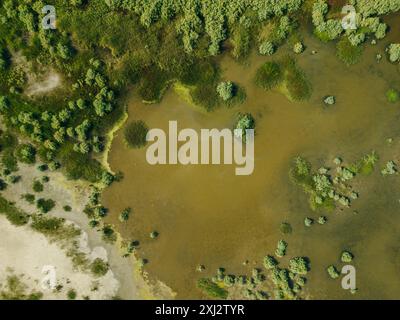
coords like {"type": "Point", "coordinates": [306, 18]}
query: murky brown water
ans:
{"type": "Point", "coordinates": [207, 215]}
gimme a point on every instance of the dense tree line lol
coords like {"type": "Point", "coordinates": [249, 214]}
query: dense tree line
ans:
{"type": "Point", "coordinates": [195, 17]}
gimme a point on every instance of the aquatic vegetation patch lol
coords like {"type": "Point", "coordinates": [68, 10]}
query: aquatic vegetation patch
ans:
{"type": "Point", "coordinates": [287, 76]}
{"type": "Point", "coordinates": [348, 53]}
{"type": "Point", "coordinates": [135, 134]}
{"type": "Point", "coordinates": [212, 289]}
{"type": "Point", "coordinates": [328, 187]}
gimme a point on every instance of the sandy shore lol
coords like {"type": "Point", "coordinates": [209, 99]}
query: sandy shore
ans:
{"type": "Point", "coordinates": [32, 250]}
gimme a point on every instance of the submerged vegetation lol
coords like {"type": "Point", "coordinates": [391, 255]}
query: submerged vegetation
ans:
{"type": "Point", "coordinates": [135, 134]}
{"type": "Point", "coordinates": [103, 48]}
{"type": "Point", "coordinates": [287, 76]}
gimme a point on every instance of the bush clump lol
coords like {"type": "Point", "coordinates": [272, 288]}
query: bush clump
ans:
{"type": "Point", "coordinates": [225, 90]}
{"type": "Point", "coordinates": [346, 256]}
{"type": "Point", "coordinates": [392, 95]}
{"type": "Point", "coordinates": [45, 205]}
{"type": "Point", "coordinates": [281, 248]}
{"type": "Point", "coordinates": [245, 121]}
{"type": "Point", "coordinates": [266, 48]}
{"type": "Point", "coordinates": [333, 272]}
{"type": "Point", "coordinates": [99, 267]}
{"type": "Point", "coordinates": [135, 134]}
{"type": "Point", "coordinates": [299, 265]}
{"type": "Point", "coordinates": [125, 214]}
{"type": "Point", "coordinates": [26, 153]}
{"type": "Point", "coordinates": [270, 262]}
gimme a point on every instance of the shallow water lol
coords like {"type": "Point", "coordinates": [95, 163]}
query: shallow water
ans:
{"type": "Point", "coordinates": [208, 215]}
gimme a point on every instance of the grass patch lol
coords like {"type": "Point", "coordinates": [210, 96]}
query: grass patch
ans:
{"type": "Point", "coordinates": [211, 289]}
{"type": "Point", "coordinates": [269, 75]}
{"type": "Point", "coordinates": [348, 53]}
{"type": "Point", "coordinates": [53, 227]}
{"type": "Point", "coordinates": [14, 215]}
{"type": "Point", "coordinates": [296, 83]}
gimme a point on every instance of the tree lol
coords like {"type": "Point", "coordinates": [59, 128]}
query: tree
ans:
{"type": "Point", "coordinates": [124, 216]}
{"type": "Point", "coordinates": [107, 178]}
{"type": "Point", "coordinates": [333, 272]}
{"type": "Point", "coordinates": [298, 48]}
{"type": "Point", "coordinates": [266, 48]}
{"type": "Point", "coordinates": [394, 52]}
{"type": "Point", "coordinates": [26, 153]}
{"type": "Point", "coordinates": [270, 262]}
{"type": "Point", "coordinates": [298, 265]}
{"type": "Point", "coordinates": [245, 121]}
{"type": "Point", "coordinates": [225, 90]}
{"type": "Point", "coordinates": [346, 256]}
{"type": "Point", "coordinates": [281, 248]}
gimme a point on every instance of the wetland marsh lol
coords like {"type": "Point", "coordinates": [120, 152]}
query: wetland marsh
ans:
{"type": "Point", "coordinates": [206, 215]}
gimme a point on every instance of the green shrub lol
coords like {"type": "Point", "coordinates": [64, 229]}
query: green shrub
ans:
{"type": "Point", "coordinates": [394, 52]}
{"type": "Point", "coordinates": [9, 161]}
{"type": "Point", "coordinates": [99, 267]}
{"type": "Point", "coordinates": [26, 153]}
{"type": "Point", "coordinates": [30, 198]}
{"type": "Point", "coordinates": [154, 234]}
{"type": "Point", "coordinates": [124, 216]}
{"type": "Point", "coordinates": [270, 262]}
{"type": "Point", "coordinates": [109, 234]}
{"type": "Point", "coordinates": [308, 222]}
{"type": "Point", "coordinates": [333, 272]}
{"type": "Point", "coordinates": [392, 95]}
{"type": "Point", "coordinates": [322, 220]}
{"type": "Point", "coordinates": [299, 265]}
{"type": "Point", "coordinates": [225, 90]}
{"type": "Point", "coordinates": [281, 248]}
{"type": "Point", "coordinates": [45, 205]}
{"type": "Point", "coordinates": [135, 134]}
{"type": "Point", "coordinates": [266, 48]}
{"type": "Point", "coordinates": [37, 186]}
{"type": "Point", "coordinates": [71, 294]}
{"type": "Point", "coordinates": [245, 121]}
{"type": "Point", "coordinates": [346, 256]}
